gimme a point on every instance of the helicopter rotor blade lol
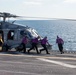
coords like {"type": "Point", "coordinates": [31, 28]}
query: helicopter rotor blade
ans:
{"type": "Point", "coordinates": [8, 15]}
{"type": "Point", "coordinates": [47, 18]}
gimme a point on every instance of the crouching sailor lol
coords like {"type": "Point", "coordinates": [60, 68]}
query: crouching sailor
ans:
{"type": "Point", "coordinates": [44, 41]}
{"type": "Point", "coordinates": [34, 44]}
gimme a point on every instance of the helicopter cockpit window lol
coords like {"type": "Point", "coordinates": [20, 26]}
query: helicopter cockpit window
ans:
{"type": "Point", "coordinates": [10, 35]}
{"type": "Point", "coordinates": [34, 32]}
{"type": "Point", "coordinates": [22, 32]}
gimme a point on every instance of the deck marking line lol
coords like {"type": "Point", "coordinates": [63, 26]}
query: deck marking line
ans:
{"type": "Point", "coordinates": [58, 63]}
{"type": "Point", "coordinates": [17, 72]}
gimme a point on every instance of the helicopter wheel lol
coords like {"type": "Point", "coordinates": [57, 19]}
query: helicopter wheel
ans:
{"type": "Point", "coordinates": [16, 49]}
{"type": "Point", "coordinates": [5, 48]}
{"type": "Point", "coordinates": [19, 48]}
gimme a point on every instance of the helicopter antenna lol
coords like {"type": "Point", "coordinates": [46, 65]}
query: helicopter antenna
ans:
{"type": "Point", "coordinates": [13, 21]}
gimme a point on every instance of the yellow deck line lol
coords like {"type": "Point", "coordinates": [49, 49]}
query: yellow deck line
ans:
{"type": "Point", "coordinates": [35, 56]}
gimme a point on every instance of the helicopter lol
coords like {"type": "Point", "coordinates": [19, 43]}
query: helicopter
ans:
{"type": "Point", "coordinates": [12, 33]}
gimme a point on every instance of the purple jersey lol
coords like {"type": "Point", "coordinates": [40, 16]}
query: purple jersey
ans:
{"type": "Point", "coordinates": [59, 41]}
{"type": "Point", "coordinates": [24, 40]}
{"type": "Point", "coordinates": [44, 41]}
{"type": "Point", "coordinates": [35, 40]}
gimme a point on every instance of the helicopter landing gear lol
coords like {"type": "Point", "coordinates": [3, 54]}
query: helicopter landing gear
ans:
{"type": "Point", "coordinates": [20, 47]}
{"type": "Point", "coordinates": [5, 48]}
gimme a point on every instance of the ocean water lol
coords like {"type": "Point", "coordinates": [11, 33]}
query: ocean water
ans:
{"type": "Point", "coordinates": [52, 28]}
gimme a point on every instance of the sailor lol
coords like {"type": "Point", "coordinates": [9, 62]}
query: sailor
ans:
{"type": "Point", "coordinates": [60, 43]}
{"type": "Point", "coordinates": [34, 44]}
{"type": "Point", "coordinates": [1, 42]}
{"type": "Point", "coordinates": [44, 41]}
{"type": "Point", "coordinates": [24, 42]}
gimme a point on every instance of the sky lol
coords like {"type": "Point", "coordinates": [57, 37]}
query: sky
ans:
{"type": "Point", "coordinates": [40, 8]}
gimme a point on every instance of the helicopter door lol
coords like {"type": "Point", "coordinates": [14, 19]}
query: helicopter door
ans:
{"type": "Point", "coordinates": [1, 33]}
{"type": "Point", "coordinates": [10, 35]}
{"type": "Point", "coordinates": [11, 38]}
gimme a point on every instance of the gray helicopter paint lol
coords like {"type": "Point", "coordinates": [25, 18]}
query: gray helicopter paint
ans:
{"type": "Point", "coordinates": [6, 27]}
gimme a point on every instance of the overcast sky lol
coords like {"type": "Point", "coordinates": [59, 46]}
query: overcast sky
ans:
{"type": "Point", "coordinates": [40, 8]}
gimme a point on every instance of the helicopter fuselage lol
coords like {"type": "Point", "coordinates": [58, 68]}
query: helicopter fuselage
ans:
{"type": "Point", "coordinates": [12, 34]}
